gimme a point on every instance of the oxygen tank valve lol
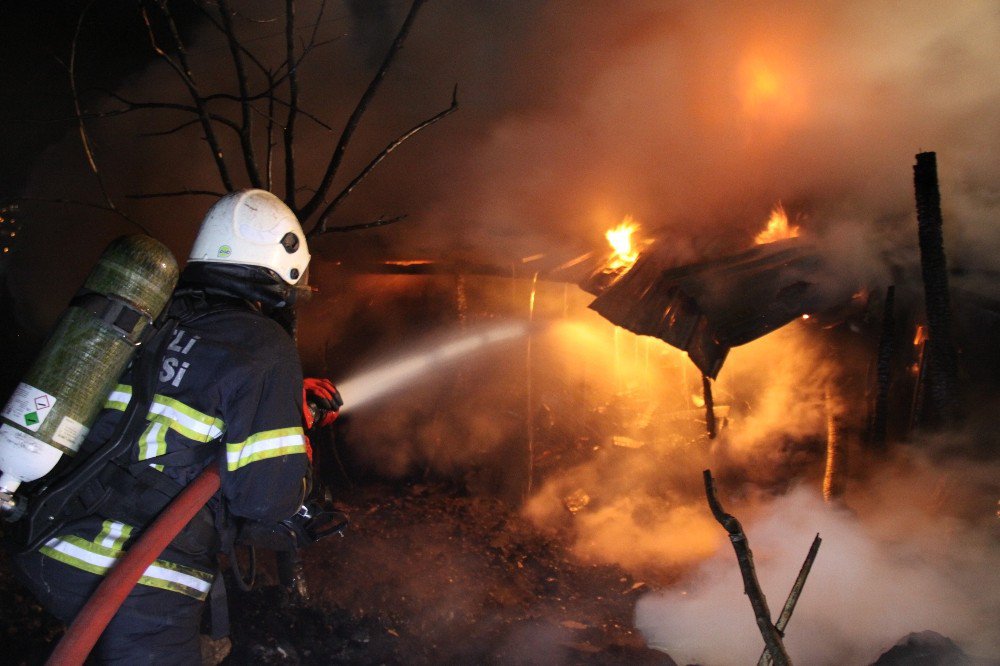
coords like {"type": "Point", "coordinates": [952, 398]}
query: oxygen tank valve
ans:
{"type": "Point", "coordinates": [10, 508]}
{"type": "Point", "coordinates": [8, 485]}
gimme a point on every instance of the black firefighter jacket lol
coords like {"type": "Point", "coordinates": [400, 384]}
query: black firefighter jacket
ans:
{"type": "Point", "coordinates": [230, 379]}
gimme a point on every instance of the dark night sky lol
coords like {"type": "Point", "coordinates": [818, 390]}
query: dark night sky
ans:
{"type": "Point", "coordinates": [35, 52]}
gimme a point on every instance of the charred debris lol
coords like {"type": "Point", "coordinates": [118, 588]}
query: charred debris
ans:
{"type": "Point", "coordinates": [911, 375]}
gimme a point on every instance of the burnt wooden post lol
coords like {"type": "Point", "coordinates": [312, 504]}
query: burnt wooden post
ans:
{"type": "Point", "coordinates": [942, 369]}
{"type": "Point", "coordinates": [883, 372]}
{"type": "Point", "coordinates": [793, 598]}
{"type": "Point", "coordinates": [751, 587]}
{"type": "Point", "coordinates": [834, 475]}
{"type": "Point", "coordinates": [710, 422]}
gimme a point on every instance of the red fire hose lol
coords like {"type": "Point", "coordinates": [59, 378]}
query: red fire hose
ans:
{"type": "Point", "coordinates": [92, 619]}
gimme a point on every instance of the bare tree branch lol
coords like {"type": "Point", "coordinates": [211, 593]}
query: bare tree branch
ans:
{"type": "Point", "coordinates": [293, 93]}
{"type": "Point", "coordinates": [132, 105]}
{"type": "Point", "coordinates": [172, 130]}
{"type": "Point", "coordinates": [246, 126]}
{"type": "Point", "coordinates": [274, 79]}
{"type": "Point", "coordinates": [380, 222]}
{"type": "Point", "coordinates": [395, 143]}
{"type": "Point", "coordinates": [310, 116]}
{"type": "Point", "coordinates": [177, 58]}
{"type": "Point", "coordinates": [352, 123]}
{"type": "Point", "coordinates": [85, 204]}
{"type": "Point", "coordinates": [76, 100]}
{"type": "Point", "coordinates": [243, 49]}
{"type": "Point", "coordinates": [140, 106]}
{"type": "Point", "coordinates": [751, 587]}
{"type": "Point", "coordinates": [293, 104]}
{"type": "Point", "coordinates": [183, 71]}
{"type": "Point", "coordinates": [84, 139]}
{"type": "Point", "coordinates": [269, 156]}
{"type": "Point", "coordinates": [315, 29]}
{"type": "Point", "coordinates": [179, 193]}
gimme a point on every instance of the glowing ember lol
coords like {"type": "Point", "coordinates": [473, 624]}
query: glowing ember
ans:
{"type": "Point", "coordinates": [620, 237]}
{"type": "Point", "coordinates": [409, 262]}
{"type": "Point", "coordinates": [777, 227]}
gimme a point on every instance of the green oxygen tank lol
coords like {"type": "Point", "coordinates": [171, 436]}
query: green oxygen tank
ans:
{"type": "Point", "coordinates": [51, 410]}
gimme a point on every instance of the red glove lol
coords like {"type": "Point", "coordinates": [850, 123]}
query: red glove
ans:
{"type": "Point", "coordinates": [322, 396]}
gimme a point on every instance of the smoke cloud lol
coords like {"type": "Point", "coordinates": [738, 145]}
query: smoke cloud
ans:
{"type": "Point", "coordinates": [899, 558]}
{"type": "Point", "coordinates": [693, 118]}
{"type": "Point", "coordinates": [641, 489]}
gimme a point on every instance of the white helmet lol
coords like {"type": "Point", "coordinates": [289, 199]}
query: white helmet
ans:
{"type": "Point", "coordinates": [253, 228]}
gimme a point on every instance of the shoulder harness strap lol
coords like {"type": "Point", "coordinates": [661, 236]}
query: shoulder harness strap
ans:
{"type": "Point", "coordinates": [63, 499]}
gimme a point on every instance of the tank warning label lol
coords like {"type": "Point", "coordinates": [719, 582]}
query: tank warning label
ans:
{"type": "Point", "coordinates": [20, 439]}
{"type": "Point", "coordinates": [29, 406]}
{"type": "Point", "coordinates": [70, 433]}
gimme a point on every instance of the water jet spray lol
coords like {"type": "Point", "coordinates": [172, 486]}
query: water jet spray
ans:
{"type": "Point", "coordinates": [376, 382]}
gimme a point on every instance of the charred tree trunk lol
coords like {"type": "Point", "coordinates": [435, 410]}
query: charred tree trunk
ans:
{"type": "Point", "coordinates": [883, 372]}
{"type": "Point", "coordinates": [942, 369]}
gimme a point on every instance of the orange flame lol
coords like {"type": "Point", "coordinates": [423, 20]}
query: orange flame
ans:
{"type": "Point", "coordinates": [624, 253]}
{"type": "Point", "coordinates": [777, 227]}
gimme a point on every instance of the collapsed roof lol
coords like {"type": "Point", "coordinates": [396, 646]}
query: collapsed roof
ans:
{"type": "Point", "coordinates": [708, 307]}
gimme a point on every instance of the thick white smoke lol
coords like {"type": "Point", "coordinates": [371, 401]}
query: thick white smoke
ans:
{"type": "Point", "coordinates": [898, 560]}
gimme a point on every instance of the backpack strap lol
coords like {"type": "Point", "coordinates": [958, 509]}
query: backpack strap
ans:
{"type": "Point", "coordinates": [135, 492]}
{"type": "Point", "coordinates": [113, 310]}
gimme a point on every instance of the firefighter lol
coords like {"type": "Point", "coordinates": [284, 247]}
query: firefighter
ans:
{"type": "Point", "coordinates": [228, 392]}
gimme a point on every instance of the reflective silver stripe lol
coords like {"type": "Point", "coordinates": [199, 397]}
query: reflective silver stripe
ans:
{"type": "Point", "coordinates": [113, 534]}
{"type": "Point", "coordinates": [208, 431]}
{"type": "Point", "coordinates": [173, 413]}
{"type": "Point", "coordinates": [118, 398]}
{"type": "Point", "coordinates": [77, 552]}
{"type": "Point", "coordinates": [104, 562]}
{"type": "Point", "coordinates": [153, 443]}
{"type": "Point", "coordinates": [179, 577]}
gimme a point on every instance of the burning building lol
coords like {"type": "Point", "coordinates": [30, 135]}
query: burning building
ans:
{"type": "Point", "coordinates": [592, 411]}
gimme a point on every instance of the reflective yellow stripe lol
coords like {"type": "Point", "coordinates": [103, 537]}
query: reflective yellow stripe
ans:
{"type": "Point", "coordinates": [264, 445]}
